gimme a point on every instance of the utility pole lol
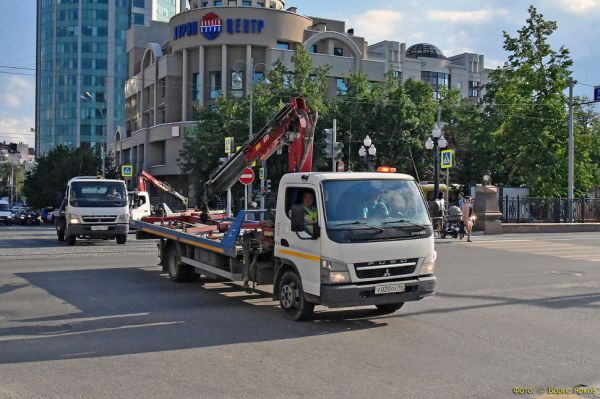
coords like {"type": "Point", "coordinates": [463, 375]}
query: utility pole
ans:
{"type": "Point", "coordinates": [436, 178]}
{"type": "Point", "coordinates": [571, 179]}
{"type": "Point", "coordinates": [12, 182]}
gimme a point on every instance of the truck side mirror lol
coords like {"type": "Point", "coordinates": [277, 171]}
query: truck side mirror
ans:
{"type": "Point", "coordinates": [300, 226]}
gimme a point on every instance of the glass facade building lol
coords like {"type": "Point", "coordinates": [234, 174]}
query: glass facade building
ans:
{"type": "Point", "coordinates": [81, 71]}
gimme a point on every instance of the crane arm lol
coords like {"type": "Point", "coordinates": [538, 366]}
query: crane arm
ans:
{"type": "Point", "coordinates": [144, 177]}
{"type": "Point", "coordinates": [293, 125]}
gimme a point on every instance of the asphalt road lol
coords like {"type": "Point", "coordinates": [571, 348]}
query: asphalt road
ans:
{"type": "Point", "coordinates": [99, 320]}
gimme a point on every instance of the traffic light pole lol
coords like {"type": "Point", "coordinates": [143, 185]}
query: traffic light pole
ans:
{"type": "Point", "coordinates": [333, 142]}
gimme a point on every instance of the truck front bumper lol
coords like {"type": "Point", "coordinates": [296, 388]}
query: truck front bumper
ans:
{"type": "Point", "coordinates": [339, 296]}
{"type": "Point", "coordinates": [112, 231]}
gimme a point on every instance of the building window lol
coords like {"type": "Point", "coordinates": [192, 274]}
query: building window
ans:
{"type": "Point", "coordinates": [314, 49]}
{"type": "Point", "coordinates": [139, 3]}
{"type": "Point", "coordinates": [215, 84]}
{"type": "Point", "coordinates": [342, 87]}
{"type": "Point", "coordinates": [232, 3]}
{"type": "Point", "coordinates": [258, 77]}
{"type": "Point", "coordinates": [338, 51]}
{"type": "Point", "coordinates": [247, 3]}
{"type": "Point", "coordinates": [196, 87]}
{"type": "Point", "coordinates": [138, 19]}
{"type": "Point", "coordinates": [218, 3]}
{"type": "Point", "coordinates": [283, 45]}
{"type": "Point", "coordinates": [204, 4]}
{"type": "Point", "coordinates": [437, 80]}
{"type": "Point", "coordinates": [260, 4]}
{"type": "Point", "coordinates": [474, 88]}
{"type": "Point", "coordinates": [397, 75]}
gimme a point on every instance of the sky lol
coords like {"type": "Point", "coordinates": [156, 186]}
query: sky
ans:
{"type": "Point", "coordinates": [453, 25]}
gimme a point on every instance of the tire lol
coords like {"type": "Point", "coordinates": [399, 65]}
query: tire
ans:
{"type": "Point", "coordinates": [443, 233]}
{"type": "Point", "coordinates": [61, 235]}
{"type": "Point", "coordinates": [389, 307]}
{"type": "Point", "coordinates": [121, 239]}
{"type": "Point", "coordinates": [291, 298]}
{"type": "Point", "coordinates": [178, 272]}
{"type": "Point", "coordinates": [71, 240]}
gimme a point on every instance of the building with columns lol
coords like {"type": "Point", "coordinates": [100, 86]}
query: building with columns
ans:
{"type": "Point", "coordinates": [205, 51]}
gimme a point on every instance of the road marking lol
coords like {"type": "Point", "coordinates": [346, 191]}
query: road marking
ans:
{"type": "Point", "coordinates": [545, 248]}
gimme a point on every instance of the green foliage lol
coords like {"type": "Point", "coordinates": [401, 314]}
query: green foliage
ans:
{"type": "Point", "coordinates": [46, 183]}
{"type": "Point", "coordinates": [17, 172]}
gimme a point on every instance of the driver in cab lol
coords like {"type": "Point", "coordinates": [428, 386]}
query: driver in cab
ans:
{"type": "Point", "coordinates": [309, 211]}
{"type": "Point", "coordinates": [375, 208]}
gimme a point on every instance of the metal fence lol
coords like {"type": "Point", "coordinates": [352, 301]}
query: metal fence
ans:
{"type": "Point", "coordinates": [548, 210]}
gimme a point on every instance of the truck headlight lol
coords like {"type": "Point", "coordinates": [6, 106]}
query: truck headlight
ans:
{"type": "Point", "coordinates": [428, 265]}
{"type": "Point", "coordinates": [73, 219]}
{"type": "Point", "coordinates": [123, 219]}
{"type": "Point", "coordinates": [334, 272]}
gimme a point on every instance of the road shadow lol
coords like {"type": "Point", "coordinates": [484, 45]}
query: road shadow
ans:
{"type": "Point", "coordinates": [130, 310]}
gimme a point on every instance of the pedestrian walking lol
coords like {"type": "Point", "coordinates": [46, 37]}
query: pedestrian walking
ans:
{"type": "Point", "coordinates": [461, 199]}
{"type": "Point", "coordinates": [467, 217]}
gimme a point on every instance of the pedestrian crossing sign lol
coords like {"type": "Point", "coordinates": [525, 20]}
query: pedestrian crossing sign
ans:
{"type": "Point", "coordinates": [127, 171]}
{"type": "Point", "coordinates": [447, 159]}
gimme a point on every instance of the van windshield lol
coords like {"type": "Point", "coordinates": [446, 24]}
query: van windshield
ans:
{"type": "Point", "coordinates": [97, 194]}
{"type": "Point", "coordinates": [358, 210]}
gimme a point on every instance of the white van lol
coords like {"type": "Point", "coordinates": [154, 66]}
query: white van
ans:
{"type": "Point", "coordinates": [93, 208]}
{"type": "Point", "coordinates": [5, 213]}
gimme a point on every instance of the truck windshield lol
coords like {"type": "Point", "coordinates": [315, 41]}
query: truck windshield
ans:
{"type": "Point", "coordinates": [4, 208]}
{"type": "Point", "coordinates": [97, 194]}
{"type": "Point", "coordinates": [358, 210]}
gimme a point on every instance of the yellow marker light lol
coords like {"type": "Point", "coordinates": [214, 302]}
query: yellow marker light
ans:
{"type": "Point", "coordinates": [386, 169]}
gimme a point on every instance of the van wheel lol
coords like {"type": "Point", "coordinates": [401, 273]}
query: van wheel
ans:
{"type": "Point", "coordinates": [61, 235]}
{"type": "Point", "coordinates": [291, 298]}
{"type": "Point", "coordinates": [178, 272]}
{"type": "Point", "coordinates": [121, 239]}
{"type": "Point", "coordinates": [389, 307]}
{"type": "Point", "coordinates": [71, 240]}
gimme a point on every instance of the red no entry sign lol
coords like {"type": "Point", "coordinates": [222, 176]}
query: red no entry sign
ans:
{"type": "Point", "coordinates": [247, 176]}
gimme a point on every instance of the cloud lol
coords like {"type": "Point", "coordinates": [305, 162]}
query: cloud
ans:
{"type": "Point", "coordinates": [18, 91]}
{"type": "Point", "coordinates": [493, 63]}
{"type": "Point", "coordinates": [468, 17]}
{"type": "Point", "coordinates": [581, 6]}
{"type": "Point", "coordinates": [377, 25]}
{"type": "Point", "coordinates": [16, 130]}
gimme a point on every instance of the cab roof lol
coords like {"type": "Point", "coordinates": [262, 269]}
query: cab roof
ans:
{"type": "Point", "coordinates": [94, 178]}
{"type": "Point", "coordinates": [316, 177]}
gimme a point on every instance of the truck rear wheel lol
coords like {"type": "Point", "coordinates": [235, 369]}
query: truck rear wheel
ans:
{"type": "Point", "coordinates": [178, 272]}
{"type": "Point", "coordinates": [291, 298]}
{"type": "Point", "coordinates": [389, 307]}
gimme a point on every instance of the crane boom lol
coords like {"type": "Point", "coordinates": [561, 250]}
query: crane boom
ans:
{"type": "Point", "coordinates": [293, 125]}
{"type": "Point", "coordinates": [144, 177]}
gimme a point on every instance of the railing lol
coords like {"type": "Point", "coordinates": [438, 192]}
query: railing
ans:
{"type": "Point", "coordinates": [548, 210]}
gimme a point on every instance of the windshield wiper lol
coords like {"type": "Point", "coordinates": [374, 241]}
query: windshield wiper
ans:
{"type": "Point", "coordinates": [356, 222]}
{"type": "Point", "coordinates": [408, 222]}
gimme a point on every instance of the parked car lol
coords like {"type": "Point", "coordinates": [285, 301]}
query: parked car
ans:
{"type": "Point", "coordinates": [6, 217]}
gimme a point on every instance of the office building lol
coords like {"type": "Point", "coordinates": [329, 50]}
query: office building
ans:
{"type": "Point", "coordinates": [201, 54]}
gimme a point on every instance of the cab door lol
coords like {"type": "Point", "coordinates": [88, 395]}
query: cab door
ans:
{"type": "Point", "coordinates": [300, 248]}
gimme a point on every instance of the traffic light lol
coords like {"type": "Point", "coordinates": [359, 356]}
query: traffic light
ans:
{"type": "Point", "coordinates": [338, 152]}
{"type": "Point", "coordinates": [328, 142]}
{"type": "Point", "coordinates": [268, 186]}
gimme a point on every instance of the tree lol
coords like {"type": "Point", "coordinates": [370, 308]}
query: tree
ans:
{"type": "Point", "coordinates": [525, 113]}
{"type": "Point", "coordinates": [45, 184]}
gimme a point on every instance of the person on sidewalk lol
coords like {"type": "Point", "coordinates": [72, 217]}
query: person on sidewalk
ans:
{"type": "Point", "coordinates": [467, 217]}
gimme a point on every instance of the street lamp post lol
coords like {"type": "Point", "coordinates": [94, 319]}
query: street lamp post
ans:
{"type": "Point", "coordinates": [238, 81]}
{"type": "Point", "coordinates": [87, 96]}
{"type": "Point", "coordinates": [368, 153]}
{"type": "Point", "coordinates": [436, 143]}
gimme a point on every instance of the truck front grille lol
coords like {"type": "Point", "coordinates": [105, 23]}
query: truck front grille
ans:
{"type": "Point", "coordinates": [99, 219]}
{"type": "Point", "coordinates": [383, 269]}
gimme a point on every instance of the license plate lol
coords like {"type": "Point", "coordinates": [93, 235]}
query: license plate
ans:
{"type": "Point", "coordinates": [99, 228]}
{"type": "Point", "coordinates": [389, 289]}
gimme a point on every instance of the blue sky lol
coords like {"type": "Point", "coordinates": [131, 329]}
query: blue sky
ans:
{"type": "Point", "coordinates": [453, 25]}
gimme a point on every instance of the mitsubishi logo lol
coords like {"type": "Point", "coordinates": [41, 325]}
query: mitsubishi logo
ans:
{"type": "Point", "coordinates": [387, 273]}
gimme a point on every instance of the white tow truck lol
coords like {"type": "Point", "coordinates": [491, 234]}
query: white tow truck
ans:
{"type": "Point", "coordinates": [93, 208]}
{"type": "Point", "coordinates": [368, 241]}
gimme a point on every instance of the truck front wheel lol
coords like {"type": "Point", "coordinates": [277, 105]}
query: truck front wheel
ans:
{"type": "Point", "coordinates": [71, 240]}
{"type": "Point", "coordinates": [291, 298]}
{"type": "Point", "coordinates": [121, 239]}
{"type": "Point", "coordinates": [389, 308]}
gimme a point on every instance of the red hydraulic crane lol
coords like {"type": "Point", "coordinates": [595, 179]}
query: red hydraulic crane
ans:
{"type": "Point", "coordinates": [144, 177]}
{"type": "Point", "coordinates": [294, 125]}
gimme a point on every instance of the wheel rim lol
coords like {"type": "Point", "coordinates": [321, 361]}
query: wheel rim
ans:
{"type": "Point", "coordinates": [288, 296]}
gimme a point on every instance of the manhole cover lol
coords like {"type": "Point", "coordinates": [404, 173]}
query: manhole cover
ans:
{"type": "Point", "coordinates": [570, 274]}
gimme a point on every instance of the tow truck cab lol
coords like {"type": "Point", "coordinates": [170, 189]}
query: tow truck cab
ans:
{"type": "Point", "coordinates": [93, 208]}
{"type": "Point", "coordinates": [372, 243]}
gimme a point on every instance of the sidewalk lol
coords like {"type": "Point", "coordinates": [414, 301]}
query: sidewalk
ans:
{"type": "Point", "coordinates": [525, 228]}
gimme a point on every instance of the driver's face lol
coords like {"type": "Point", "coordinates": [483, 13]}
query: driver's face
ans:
{"type": "Point", "coordinates": [308, 199]}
